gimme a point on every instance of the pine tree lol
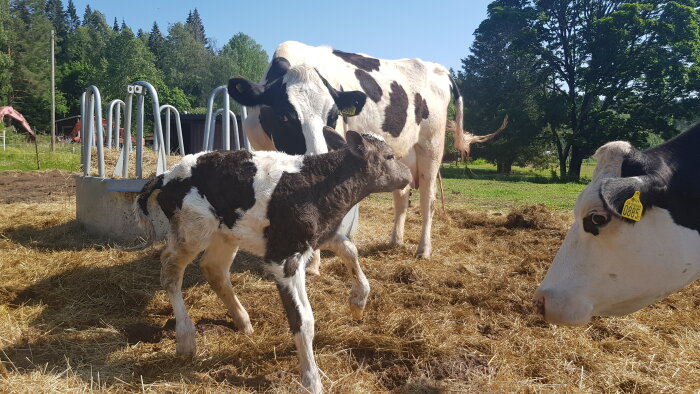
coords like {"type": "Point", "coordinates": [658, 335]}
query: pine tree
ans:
{"type": "Point", "coordinates": [72, 17]}
{"type": "Point", "coordinates": [156, 43]}
{"type": "Point", "coordinates": [5, 59]}
{"type": "Point", "coordinates": [115, 26]}
{"type": "Point", "coordinates": [194, 23]}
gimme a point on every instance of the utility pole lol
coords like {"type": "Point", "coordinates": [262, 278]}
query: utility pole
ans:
{"type": "Point", "coordinates": [53, 91]}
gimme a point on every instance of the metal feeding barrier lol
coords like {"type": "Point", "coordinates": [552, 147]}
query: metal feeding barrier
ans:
{"type": "Point", "coordinates": [226, 121]}
{"type": "Point", "coordinates": [104, 205]}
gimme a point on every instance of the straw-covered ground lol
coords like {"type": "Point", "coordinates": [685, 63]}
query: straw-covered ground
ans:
{"type": "Point", "coordinates": [78, 314]}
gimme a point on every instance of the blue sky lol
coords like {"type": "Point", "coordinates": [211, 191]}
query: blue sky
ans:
{"type": "Point", "coordinates": [440, 30]}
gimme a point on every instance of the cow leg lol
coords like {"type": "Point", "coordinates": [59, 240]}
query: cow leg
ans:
{"type": "Point", "coordinates": [314, 264]}
{"type": "Point", "coordinates": [216, 265]}
{"type": "Point", "coordinates": [400, 208]}
{"type": "Point", "coordinates": [174, 260]}
{"type": "Point", "coordinates": [428, 166]}
{"type": "Point", "coordinates": [346, 250]}
{"type": "Point", "coordinates": [292, 290]}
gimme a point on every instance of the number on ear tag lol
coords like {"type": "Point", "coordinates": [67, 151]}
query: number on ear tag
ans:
{"type": "Point", "coordinates": [633, 208]}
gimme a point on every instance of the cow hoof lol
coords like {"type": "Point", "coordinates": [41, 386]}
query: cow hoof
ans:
{"type": "Point", "coordinates": [423, 255]}
{"type": "Point", "coordinates": [357, 312]}
{"type": "Point", "coordinates": [186, 347]}
{"type": "Point", "coordinates": [312, 382]}
{"type": "Point", "coordinates": [247, 328]}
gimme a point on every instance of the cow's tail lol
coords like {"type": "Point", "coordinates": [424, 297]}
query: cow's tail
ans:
{"type": "Point", "coordinates": [141, 212]}
{"type": "Point", "coordinates": [464, 139]}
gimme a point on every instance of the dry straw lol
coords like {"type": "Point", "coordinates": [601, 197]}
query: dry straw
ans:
{"type": "Point", "coordinates": [77, 314]}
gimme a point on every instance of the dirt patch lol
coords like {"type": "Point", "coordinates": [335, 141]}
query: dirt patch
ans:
{"type": "Point", "coordinates": [36, 186]}
{"type": "Point", "coordinates": [533, 217]}
{"type": "Point", "coordinates": [142, 332]}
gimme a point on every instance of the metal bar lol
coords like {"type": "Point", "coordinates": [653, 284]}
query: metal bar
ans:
{"type": "Point", "coordinates": [88, 131]}
{"type": "Point", "coordinates": [118, 123]}
{"type": "Point", "coordinates": [236, 139]}
{"type": "Point", "coordinates": [178, 124]}
{"type": "Point", "coordinates": [100, 135]}
{"type": "Point", "coordinates": [139, 136]}
{"type": "Point", "coordinates": [157, 125]}
{"type": "Point", "coordinates": [244, 116]}
{"type": "Point", "coordinates": [83, 153]}
{"type": "Point", "coordinates": [127, 131]}
{"type": "Point", "coordinates": [225, 122]}
{"type": "Point", "coordinates": [166, 131]}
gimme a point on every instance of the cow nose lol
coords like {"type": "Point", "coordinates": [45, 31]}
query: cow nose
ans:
{"type": "Point", "coordinates": [538, 302]}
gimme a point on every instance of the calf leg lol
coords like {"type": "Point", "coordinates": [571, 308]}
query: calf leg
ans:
{"type": "Point", "coordinates": [346, 250]}
{"type": "Point", "coordinates": [216, 265]}
{"type": "Point", "coordinates": [314, 263]}
{"type": "Point", "coordinates": [292, 290]}
{"type": "Point", "coordinates": [174, 260]}
{"type": "Point", "coordinates": [400, 208]}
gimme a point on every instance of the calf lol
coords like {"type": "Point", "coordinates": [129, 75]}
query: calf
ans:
{"type": "Point", "coordinates": [613, 262]}
{"type": "Point", "coordinates": [276, 206]}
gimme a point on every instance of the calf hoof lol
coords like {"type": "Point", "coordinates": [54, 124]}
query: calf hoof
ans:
{"type": "Point", "coordinates": [185, 344]}
{"type": "Point", "coordinates": [357, 312]}
{"type": "Point", "coordinates": [313, 271]}
{"type": "Point", "coordinates": [312, 382]}
{"type": "Point", "coordinates": [247, 328]}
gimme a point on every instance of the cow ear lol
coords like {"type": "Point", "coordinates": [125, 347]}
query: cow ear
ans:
{"type": "Point", "coordinates": [616, 191]}
{"type": "Point", "coordinates": [350, 103]}
{"type": "Point", "coordinates": [278, 68]}
{"type": "Point", "coordinates": [334, 140]}
{"type": "Point", "coordinates": [356, 143]}
{"type": "Point", "coordinates": [246, 92]}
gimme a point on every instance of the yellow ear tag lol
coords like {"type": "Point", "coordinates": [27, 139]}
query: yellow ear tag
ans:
{"type": "Point", "coordinates": [633, 208]}
{"type": "Point", "coordinates": [349, 111]}
{"type": "Point", "coordinates": [239, 87]}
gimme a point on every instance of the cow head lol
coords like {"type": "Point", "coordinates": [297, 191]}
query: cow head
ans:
{"type": "Point", "coordinates": [609, 265]}
{"type": "Point", "coordinates": [295, 105]}
{"type": "Point", "coordinates": [384, 172]}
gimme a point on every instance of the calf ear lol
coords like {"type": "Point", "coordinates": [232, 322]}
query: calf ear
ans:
{"type": "Point", "coordinates": [246, 92]}
{"type": "Point", "coordinates": [350, 103]}
{"type": "Point", "coordinates": [356, 143]}
{"type": "Point", "coordinates": [616, 191]}
{"type": "Point", "coordinates": [334, 140]}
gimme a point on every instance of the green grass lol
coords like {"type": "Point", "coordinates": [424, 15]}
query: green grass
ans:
{"type": "Point", "coordinates": [481, 189]}
{"type": "Point", "coordinates": [21, 155]}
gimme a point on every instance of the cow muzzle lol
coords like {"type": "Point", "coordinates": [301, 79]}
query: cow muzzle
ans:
{"type": "Point", "coordinates": [558, 307]}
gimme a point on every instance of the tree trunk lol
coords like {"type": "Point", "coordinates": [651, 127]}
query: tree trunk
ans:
{"type": "Point", "coordinates": [575, 164]}
{"type": "Point", "coordinates": [507, 167]}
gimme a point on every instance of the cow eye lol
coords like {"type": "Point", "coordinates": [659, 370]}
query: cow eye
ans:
{"type": "Point", "coordinates": [390, 157]}
{"type": "Point", "coordinates": [284, 119]}
{"type": "Point", "coordinates": [599, 219]}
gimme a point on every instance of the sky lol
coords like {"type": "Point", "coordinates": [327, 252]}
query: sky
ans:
{"type": "Point", "coordinates": [440, 30]}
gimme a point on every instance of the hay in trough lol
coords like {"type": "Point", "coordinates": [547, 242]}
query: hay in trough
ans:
{"type": "Point", "coordinates": [77, 314]}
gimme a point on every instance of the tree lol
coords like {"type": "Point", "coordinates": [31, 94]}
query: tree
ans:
{"type": "Point", "coordinates": [244, 57]}
{"type": "Point", "coordinates": [196, 26]}
{"type": "Point", "coordinates": [5, 58]}
{"type": "Point", "coordinates": [156, 44]}
{"type": "Point", "coordinates": [72, 17]}
{"type": "Point", "coordinates": [633, 62]}
{"type": "Point", "coordinates": [187, 64]}
{"type": "Point", "coordinates": [501, 77]}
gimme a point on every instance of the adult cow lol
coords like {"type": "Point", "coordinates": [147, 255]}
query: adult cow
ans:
{"type": "Point", "coordinates": [306, 88]}
{"type": "Point", "coordinates": [611, 265]}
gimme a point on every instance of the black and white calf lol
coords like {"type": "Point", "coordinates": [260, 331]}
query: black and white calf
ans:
{"type": "Point", "coordinates": [274, 205]}
{"type": "Point", "coordinates": [306, 88]}
{"type": "Point", "coordinates": [611, 265]}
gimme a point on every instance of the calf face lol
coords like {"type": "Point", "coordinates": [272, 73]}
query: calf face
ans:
{"type": "Point", "coordinates": [384, 172]}
{"type": "Point", "coordinates": [610, 265]}
{"type": "Point", "coordinates": [296, 103]}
